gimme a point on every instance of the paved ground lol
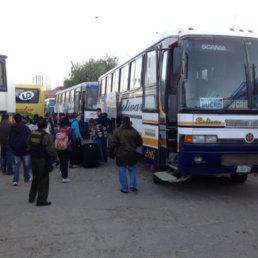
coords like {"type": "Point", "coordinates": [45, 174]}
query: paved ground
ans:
{"type": "Point", "coordinates": [89, 217]}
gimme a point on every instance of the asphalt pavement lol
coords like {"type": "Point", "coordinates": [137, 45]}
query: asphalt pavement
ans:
{"type": "Point", "coordinates": [90, 217]}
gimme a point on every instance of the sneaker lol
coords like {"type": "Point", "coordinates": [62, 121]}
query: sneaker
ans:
{"type": "Point", "coordinates": [65, 180]}
{"type": "Point", "coordinates": [133, 189]}
{"type": "Point", "coordinates": [29, 180]}
{"type": "Point", "coordinates": [15, 183]}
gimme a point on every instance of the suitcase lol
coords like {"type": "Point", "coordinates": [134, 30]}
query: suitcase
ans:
{"type": "Point", "coordinates": [90, 152]}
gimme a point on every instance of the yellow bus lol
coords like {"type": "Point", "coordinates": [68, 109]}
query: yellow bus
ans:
{"type": "Point", "coordinates": [30, 99]}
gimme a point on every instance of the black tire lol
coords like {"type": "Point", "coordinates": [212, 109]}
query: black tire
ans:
{"type": "Point", "coordinates": [238, 178]}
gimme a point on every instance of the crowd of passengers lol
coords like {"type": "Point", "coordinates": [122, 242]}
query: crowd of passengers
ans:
{"type": "Point", "coordinates": [43, 141]}
{"type": "Point", "coordinates": [14, 137]}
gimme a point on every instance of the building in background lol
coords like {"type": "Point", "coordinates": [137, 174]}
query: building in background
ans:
{"type": "Point", "coordinates": [43, 80]}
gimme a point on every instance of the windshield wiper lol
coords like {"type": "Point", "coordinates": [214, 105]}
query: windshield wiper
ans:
{"type": "Point", "coordinates": [240, 91]}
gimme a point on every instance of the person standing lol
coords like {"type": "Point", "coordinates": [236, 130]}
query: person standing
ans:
{"type": "Point", "coordinates": [64, 139]}
{"type": "Point", "coordinates": [18, 136]}
{"type": "Point", "coordinates": [6, 151]}
{"type": "Point", "coordinates": [41, 148]}
{"type": "Point", "coordinates": [103, 120]}
{"type": "Point", "coordinates": [125, 140]}
{"type": "Point", "coordinates": [76, 154]}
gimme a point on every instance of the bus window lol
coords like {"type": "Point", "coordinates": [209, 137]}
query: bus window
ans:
{"type": "Point", "coordinates": [115, 81]}
{"type": "Point", "coordinates": [67, 99]}
{"type": "Point", "coordinates": [91, 99]}
{"type": "Point", "coordinates": [124, 78]}
{"type": "Point", "coordinates": [103, 86]}
{"type": "Point", "coordinates": [72, 96]}
{"type": "Point", "coordinates": [109, 83]}
{"type": "Point", "coordinates": [150, 82]}
{"type": "Point", "coordinates": [1, 76]}
{"type": "Point", "coordinates": [136, 70]}
{"type": "Point", "coordinates": [163, 79]}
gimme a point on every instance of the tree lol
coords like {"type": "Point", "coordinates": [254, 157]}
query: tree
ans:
{"type": "Point", "coordinates": [89, 71]}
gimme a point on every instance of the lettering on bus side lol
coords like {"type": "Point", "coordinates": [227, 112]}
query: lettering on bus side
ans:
{"type": "Point", "coordinates": [131, 105]}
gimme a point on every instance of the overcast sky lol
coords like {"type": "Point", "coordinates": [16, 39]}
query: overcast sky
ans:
{"type": "Point", "coordinates": [44, 36]}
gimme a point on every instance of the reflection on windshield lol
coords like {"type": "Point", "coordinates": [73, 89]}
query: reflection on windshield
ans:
{"type": "Point", "coordinates": [216, 74]}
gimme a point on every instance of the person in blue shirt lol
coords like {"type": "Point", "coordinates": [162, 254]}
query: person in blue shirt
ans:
{"type": "Point", "coordinates": [76, 153]}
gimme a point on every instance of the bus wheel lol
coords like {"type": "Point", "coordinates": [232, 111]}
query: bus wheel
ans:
{"type": "Point", "coordinates": [238, 178]}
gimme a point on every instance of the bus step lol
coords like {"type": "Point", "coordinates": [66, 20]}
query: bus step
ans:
{"type": "Point", "coordinates": [167, 177]}
{"type": "Point", "coordinates": [173, 166]}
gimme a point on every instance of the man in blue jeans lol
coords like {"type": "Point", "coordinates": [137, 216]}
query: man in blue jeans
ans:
{"type": "Point", "coordinates": [125, 140]}
{"type": "Point", "coordinates": [6, 151]}
{"type": "Point", "coordinates": [18, 143]}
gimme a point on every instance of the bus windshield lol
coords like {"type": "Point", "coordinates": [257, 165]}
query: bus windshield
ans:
{"type": "Point", "coordinates": [216, 73]}
{"type": "Point", "coordinates": [91, 98]}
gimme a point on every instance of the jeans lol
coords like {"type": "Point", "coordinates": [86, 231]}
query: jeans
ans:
{"type": "Point", "coordinates": [64, 157]}
{"type": "Point", "coordinates": [123, 177]}
{"type": "Point", "coordinates": [99, 142]}
{"type": "Point", "coordinates": [18, 160]}
{"type": "Point", "coordinates": [6, 158]}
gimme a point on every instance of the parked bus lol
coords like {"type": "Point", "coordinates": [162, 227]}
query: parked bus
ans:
{"type": "Point", "coordinates": [7, 99]}
{"type": "Point", "coordinates": [30, 99]}
{"type": "Point", "coordinates": [81, 98]}
{"type": "Point", "coordinates": [50, 105]}
{"type": "Point", "coordinates": [193, 97]}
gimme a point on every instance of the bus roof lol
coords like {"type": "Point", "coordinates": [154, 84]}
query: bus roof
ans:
{"type": "Point", "coordinates": [83, 84]}
{"type": "Point", "coordinates": [3, 57]}
{"type": "Point", "coordinates": [191, 31]}
{"type": "Point", "coordinates": [29, 86]}
{"type": "Point", "coordinates": [179, 33]}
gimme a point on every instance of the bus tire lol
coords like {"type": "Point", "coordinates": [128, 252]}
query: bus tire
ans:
{"type": "Point", "coordinates": [238, 178]}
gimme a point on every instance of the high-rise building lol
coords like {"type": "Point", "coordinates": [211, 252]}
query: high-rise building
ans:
{"type": "Point", "coordinates": [39, 79]}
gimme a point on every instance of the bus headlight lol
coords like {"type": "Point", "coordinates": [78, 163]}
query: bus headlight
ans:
{"type": "Point", "coordinates": [210, 139]}
{"type": "Point", "coordinates": [198, 139]}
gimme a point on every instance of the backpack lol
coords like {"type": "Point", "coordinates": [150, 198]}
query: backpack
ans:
{"type": "Point", "coordinates": [62, 140]}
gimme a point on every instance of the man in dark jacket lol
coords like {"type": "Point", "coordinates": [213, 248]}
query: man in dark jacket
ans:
{"type": "Point", "coordinates": [103, 120]}
{"type": "Point", "coordinates": [125, 140]}
{"type": "Point", "coordinates": [41, 148]}
{"type": "Point", "coordinates": [18, 143]}
{"type": "Point", "coordinates": [6, 151]}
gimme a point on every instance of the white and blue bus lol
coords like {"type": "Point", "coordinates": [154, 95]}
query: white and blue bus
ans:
{"type": "Point", "coordinates": [7, 90]}
{"type": "Point", "coordinates": [81, 98]}
{"type": "Point", "coordinates": [193, 96]}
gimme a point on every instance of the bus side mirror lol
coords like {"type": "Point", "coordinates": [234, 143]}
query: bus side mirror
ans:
{"type": "Point", "coordinates": [179, 61]}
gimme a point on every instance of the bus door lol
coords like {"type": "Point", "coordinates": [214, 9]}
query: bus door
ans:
{"type": "Point", "coordinates": [150, 114]}
{"type": "Point", "coordinates": [170, 100]}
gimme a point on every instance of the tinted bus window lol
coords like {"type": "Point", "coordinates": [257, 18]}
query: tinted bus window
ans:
{"type": "Point", "coordinates": [91, 98]}
{"type": "Point", "coordinates": [136, 71]}
{"type": "Point", "coordinates": [26, 95]}
{"type": "Point", "coordinates": [124, 78]}
{"type": "Point", "coordinates": [163, 79]}
{"type": "Point", "coordinates": [150, 82]}
{"type": "Point", "coordinates": [103, 86]}
{"type": "Point", "coordinates": [1, 76]}
{"type": "Point", "coordinates": [115, 81]}
{"type": "Point", "coordinates": [109, 83]}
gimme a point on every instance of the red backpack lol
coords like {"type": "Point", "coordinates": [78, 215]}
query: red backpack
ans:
{"type": "Point", "coordinates": [62, 140]}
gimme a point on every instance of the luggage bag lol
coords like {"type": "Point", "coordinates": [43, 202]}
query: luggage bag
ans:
{"type": "Point", "coordinates": [90, 152]}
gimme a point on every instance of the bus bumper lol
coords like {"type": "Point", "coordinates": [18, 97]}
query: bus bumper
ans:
{"type": "Point", "coordinates": [217, 158]}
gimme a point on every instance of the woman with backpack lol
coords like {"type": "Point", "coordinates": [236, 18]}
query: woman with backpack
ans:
{"type": "Point", "coordinates": [64, 138]}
